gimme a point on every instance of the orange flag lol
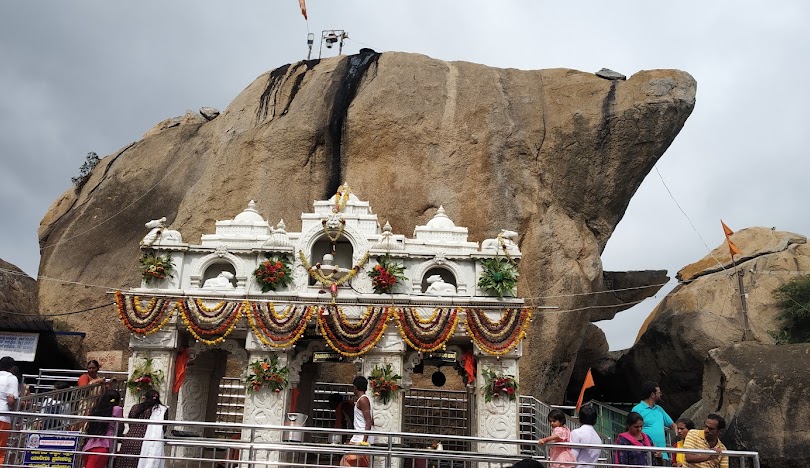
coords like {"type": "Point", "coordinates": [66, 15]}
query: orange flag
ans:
{"type": "Point", "coordinates": [731, 247]}
{"type": "Point", "coordinates": [303, 5]}
{"type": "Point", "coordinates": [585, 385]}
{"type": "Point", "coordinates": [180, 369]}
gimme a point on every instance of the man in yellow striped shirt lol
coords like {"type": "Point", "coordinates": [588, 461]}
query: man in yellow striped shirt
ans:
{"type": "Point", "coordinates": [707, 439]}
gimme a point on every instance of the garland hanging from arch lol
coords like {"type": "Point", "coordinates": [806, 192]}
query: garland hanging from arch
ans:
{"type": "Point", "coordinates": [353, 337]}
{"type": "Point", "coordinates": [274, 329]}
{"type": "Point", "coordinates": [217, 322]}
{"type": "Point", "coordinates": [498, 337]}
{"type": "Point", "coordinates": [144, 320]}
{"type": "Point", "coordinates": [429, 334]}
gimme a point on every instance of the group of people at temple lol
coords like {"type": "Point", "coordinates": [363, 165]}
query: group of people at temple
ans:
{"type": "Point", "coordinates": [645, 426]}
{"type": "Point", "coordinates": [138, 440]}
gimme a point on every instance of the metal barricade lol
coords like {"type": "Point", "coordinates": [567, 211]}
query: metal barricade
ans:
{"type": "Point", "coordinates": [261, 446]}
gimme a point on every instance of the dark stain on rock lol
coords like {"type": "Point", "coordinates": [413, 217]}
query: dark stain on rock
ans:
{"type": "Point", "coordinates": [269, 92]}
{"type": "Point", "coordinates": [353, 71]}
{"type": "Point", "coordinates": [299, 78]}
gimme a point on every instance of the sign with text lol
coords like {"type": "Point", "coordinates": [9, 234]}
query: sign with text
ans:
{"type": "Point", "coordinates": [326, 356]}
{"type": "Point", "coordinates": [20, 346]}
{"type": "Point", "coordinates": [51, 450]}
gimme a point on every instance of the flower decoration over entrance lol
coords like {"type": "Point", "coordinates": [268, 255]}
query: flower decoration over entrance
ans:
{"type": "Point", "coordinates": [499, 276]}
{"type": "Point", "coordinates": [386, 275]}
{"type": "Point", "coordinates": [156, 267]}
{"type": "Point", "coordinates": [384, 382]}
{"type": "Point", "coordinates": [266, 373]}
{"type": "Point", "coordinates": [144, 378]}
{"type": "Point", "coordinates": [273, 273]}
{"type": "Point", "coordinates": [498, 386]}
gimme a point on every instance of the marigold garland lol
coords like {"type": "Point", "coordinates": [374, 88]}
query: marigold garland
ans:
{"type": "Point", "coordinates": [274, 330]}
{"type": "Point", "coordinates": [353, 338]}
{"type": "Point", "coordinates": [140, 320]}
{"type": "Point", "coordinates": [430, 334]}
{"type": "Point", "coordinates": [223, 329]}
{"type": "Point", "coordinates": [499, 337]}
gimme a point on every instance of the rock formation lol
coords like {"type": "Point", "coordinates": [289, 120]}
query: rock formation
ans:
{"type": "Point", "coordinates": [554, 154]}
{"type": "Point", "coordinates": [762, 391]}
{"type": "Point", "coordinates": [704, 314]}
{"type": "Point", "coordinates": [18, 293]}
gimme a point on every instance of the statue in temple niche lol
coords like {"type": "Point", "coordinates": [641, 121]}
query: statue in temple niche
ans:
{"type": "Point", "coordinates": [438, 287]}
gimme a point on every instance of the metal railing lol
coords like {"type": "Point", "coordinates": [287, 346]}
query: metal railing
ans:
{"type": "Point", "coordinates": [46, 378]}
{"type": "Point", "coordinates": [263, 445]}
{"type": "Point", "coordinates": [533, 422]}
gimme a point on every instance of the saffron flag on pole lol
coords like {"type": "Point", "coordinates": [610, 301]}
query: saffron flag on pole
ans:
{"type": "Point", "coordinates": [303, 5]}
{"type": "Point", "coordinates": [731, 246]}
{"type": "Point", "coordinates": [585, 385]}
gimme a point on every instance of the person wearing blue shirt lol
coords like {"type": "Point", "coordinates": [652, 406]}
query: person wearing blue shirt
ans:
{"type": "Point", "coordinates": [655, 418]}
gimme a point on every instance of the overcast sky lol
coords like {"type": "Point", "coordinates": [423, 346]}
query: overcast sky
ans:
{"type": "Point", "coordinates": [80, 76]}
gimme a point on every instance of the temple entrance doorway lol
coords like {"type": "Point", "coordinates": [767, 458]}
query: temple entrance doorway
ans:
{"type": "Point", "coordinates": [331, 375]}
{"type": "Point", "coordinates": [214, 388]}
{"type": "Point", "coordinates": [438, 403]}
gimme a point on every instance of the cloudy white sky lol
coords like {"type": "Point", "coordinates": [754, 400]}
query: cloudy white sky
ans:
{"type": "Point", "coordinates": [80, 76]}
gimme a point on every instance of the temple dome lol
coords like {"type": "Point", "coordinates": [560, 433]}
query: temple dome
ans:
{"type": "Point", "coordinates": [250, 215]}
{"type": "Point", "coordinates": [441, 222]}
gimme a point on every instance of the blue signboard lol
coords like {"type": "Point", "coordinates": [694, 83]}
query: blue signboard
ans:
{"type": "Point", "coordinates": [51, 450]}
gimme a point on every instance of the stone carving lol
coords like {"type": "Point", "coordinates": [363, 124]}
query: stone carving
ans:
{"type": "Point", "coordinates": [163, 339]}
{"type": "Point", "coordinates": [224, 280]}
{"type": "Point", "coordinates": [294, 366]}
{"type": "Point", "coordinates": [438, 287]}
{"type": "Point", "coordinates": [506, 237]}
{"type": "Point", "coordinates": [497, 420]}
{"type": "Point", "coordinates": [159, 234]}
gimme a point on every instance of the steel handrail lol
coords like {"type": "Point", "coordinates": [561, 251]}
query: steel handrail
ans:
{"type": "Point", "coordinates": [388, 450]}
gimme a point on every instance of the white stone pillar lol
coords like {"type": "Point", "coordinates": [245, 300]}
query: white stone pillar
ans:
{"type": "Point", "coordinates": [499, 418]}
{"type": "Point", "coordinates": [161, 347]}
{"type": "Point", "coordinates": [387, 416]}
{"type": "Point", "coordinates": [264, 406]}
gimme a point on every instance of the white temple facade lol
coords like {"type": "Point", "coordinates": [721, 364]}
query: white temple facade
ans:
{"type": "Point", "coordinates": [212, 302]}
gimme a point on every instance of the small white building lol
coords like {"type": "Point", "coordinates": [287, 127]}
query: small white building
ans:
{"type": "Point", "coordinates": [327, 311]}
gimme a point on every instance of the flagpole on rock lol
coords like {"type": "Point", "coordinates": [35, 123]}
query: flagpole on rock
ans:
{"type": "Point", "coordinates": [743, 302]}
{"type": "Point", "coordinates": [732, 248]}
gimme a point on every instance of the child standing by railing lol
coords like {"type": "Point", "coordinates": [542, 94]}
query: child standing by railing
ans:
{"type": "Point", "coordinates": [559, 433]}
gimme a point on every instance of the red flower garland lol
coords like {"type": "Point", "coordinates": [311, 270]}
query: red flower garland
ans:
{"type": "Point", "coordinates": [353, 338]}
{"type": "Point", "coordinates": [500, 337]}
{"type": "Point", "coordinates": [227, 316]}
{"type": "Point", "coordinates": [278, 331]}
{"type": "Point", "coordinates": [426, 335]}
{"type": "Point", "coordinates": [157, 313]}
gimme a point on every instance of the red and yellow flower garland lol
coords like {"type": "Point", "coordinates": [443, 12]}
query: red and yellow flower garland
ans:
{"type": "Point", "coordinates": [278, 330]}
{"type": "Point", "coordinates": [144, 321]}
{"type": "Point", "coordinates": [202, 331]}
{"type": "Point", "coordinates": [499, 337]}
{"type": "Point", "coordinates": [211, 325]}
{"type": "Point", "coordinates": [353, 338]}
{"type": "Point", "coordinates": [430, 334]}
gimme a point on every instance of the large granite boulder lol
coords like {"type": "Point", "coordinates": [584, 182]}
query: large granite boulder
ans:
{"type": "Point", "coordinates": [762, 391]}
{"type": "Point", "coordinates": [705, 313]}
{"type": "Point", "coordinates": [18, 293]}
{"type": "Point", "coordinates": [554, 154]}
